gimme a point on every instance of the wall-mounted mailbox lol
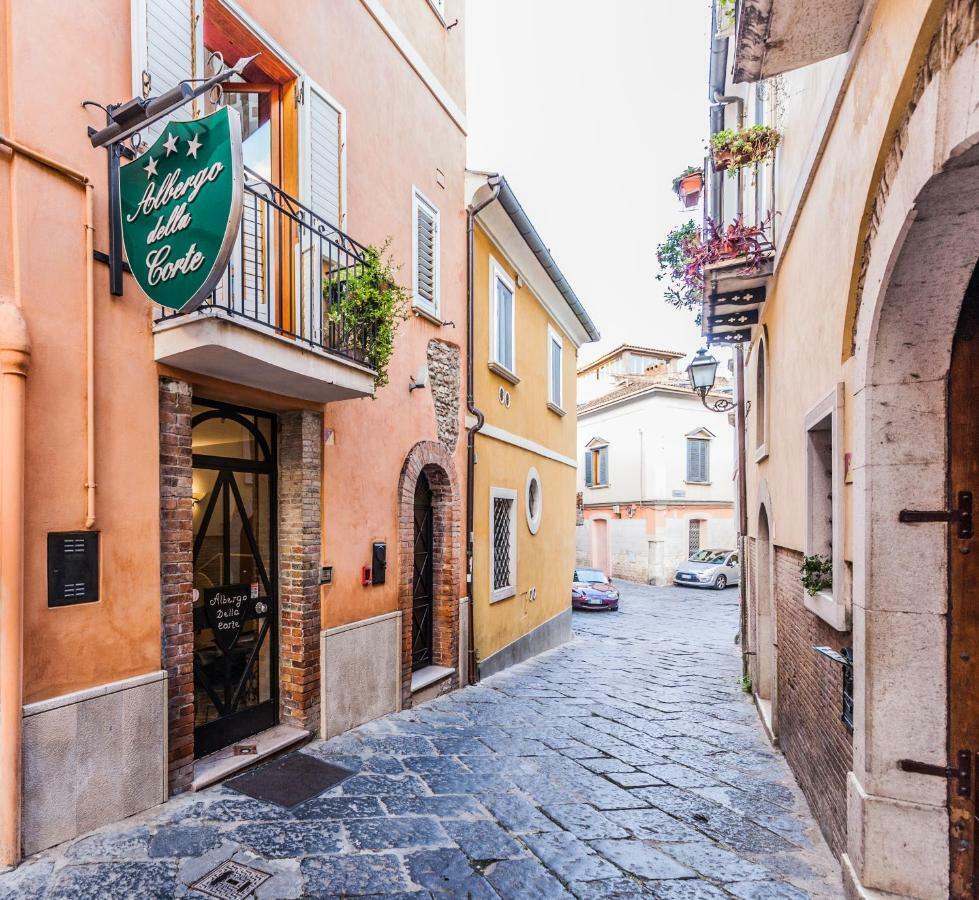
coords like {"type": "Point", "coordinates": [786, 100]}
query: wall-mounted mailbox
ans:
{"type": "Point", "coordinates": [379, 562]}
{"type": "Point", "coordinates": [73, 567]}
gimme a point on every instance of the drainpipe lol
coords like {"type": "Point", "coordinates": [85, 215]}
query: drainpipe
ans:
{"type": "Point", "coordinates": [15, 357]}
{"type": "Point", "coordinates": [15, 353]}
{"type": "Point", "coordinates": [471, 213]}
{"type": "Point", "coordinates": [82, 181]}
{"type": "Point", "coordinates": [739, 427]}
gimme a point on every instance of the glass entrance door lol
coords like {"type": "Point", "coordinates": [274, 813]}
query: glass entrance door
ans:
{"type": "Point", "coordinates": [235, 592]}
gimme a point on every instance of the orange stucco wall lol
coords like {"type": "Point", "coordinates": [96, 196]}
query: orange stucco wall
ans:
{"type": "Point", "coordinates": [55, 57]}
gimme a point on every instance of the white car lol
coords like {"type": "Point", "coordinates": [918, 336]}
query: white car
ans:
{"type": "Point", "coordinates": [710, 568]}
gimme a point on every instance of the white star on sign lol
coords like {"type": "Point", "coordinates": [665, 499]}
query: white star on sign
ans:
{"type": "Point", "coordinates": [171, 144]}
{"type": "Point", "coordinates": [150, 168]}
{"type": "Point", "coordinates": [193, 145]}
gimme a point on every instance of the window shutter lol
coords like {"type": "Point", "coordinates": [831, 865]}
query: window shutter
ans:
{"type": "Point", "coordinates": [603, 466]}
{"type": "Point", "coordinates": [691, 460]}
{"type": "Point", "coordinates": [324, 146]}
{"type": "Point", "coordinates": [169, 48]}
{"type": "Point", "coordinates": [426, 254]}
{"type": "Point", "coordinates": [588, 479]}
{"type": "Point", "coordinates": [697, 451]}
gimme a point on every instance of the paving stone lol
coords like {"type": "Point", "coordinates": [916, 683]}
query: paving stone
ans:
{"type": "Point", "coordinates": [715, 862]}
{"type": "Point", "coordinates": [633, 779]}
{"type": "Point", "coordinates": [766, 890]}
{"type": "Point", "coordinates": [385, 785]}
{"type": "Point", "coordinates": [338, 808]}
{"type": "Point", "coordinates": [183, 840]}
{"type": "Point", "coordinates": [517, 815]}
{"type": "Point", "coordinates": [609, 889]}
{"type": "Point", "coordinates": [117, 881]}
{"type": "Point", "coordinates": [387, 833]}
{"type": "Point", "coordinates": [352, 874]}
{"type": "Point", "coordinates": [569, 858]}
{"type": "Point", "coordinates": [524, 879]}
{"type": "Point", "coordinates": [114, 843]}
{"type": "Point", "coordinates": [654, 824]}
{"type": "Point", "coordinates": [584, 821]}
{"type": "Point", "coordinates": [641, 859]}
{"type": "Point", "coordinates": [483, 840]}
{"type": "Point", "coordinates": [448, 872]}
{"type": "Point", "coordinates": [686, 890]}
{"type": "Point", "coordinates": [445, 806]}
{"type": "Point", "coordinates": [289, 839]}
{"type": "Point", "coordinates": [603, 764]}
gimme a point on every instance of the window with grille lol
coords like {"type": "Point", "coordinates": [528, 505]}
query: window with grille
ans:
{"type": "Point", "coordinates": [502, 318]}
{"type": "Point", "coordinates": [426, 278]}
{"type": "Point", "coordinates": [555, 373]}
{"type": "Point", "coordinates": [596, 467]}
{"type": "Point", "coordinates": [698, 460]}
{"type": "Point", "coordinates": [503, 564]}
{"type": "Point", "coordinates": [693, 541]}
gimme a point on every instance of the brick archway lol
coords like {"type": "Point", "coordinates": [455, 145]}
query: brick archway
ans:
{"type": "Point", "coordinates": [438, 465]}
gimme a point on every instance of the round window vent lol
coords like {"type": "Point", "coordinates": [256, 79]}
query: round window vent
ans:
{"type": "Point", "coordinates": [534, 501]}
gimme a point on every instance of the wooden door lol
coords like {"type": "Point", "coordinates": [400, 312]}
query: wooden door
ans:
{"type": "Point", "coordinates": [600, 545]}
{"type": "Point", "coordinates": [964, 600]}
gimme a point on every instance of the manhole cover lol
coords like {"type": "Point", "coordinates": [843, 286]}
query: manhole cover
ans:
{"type": "Point", "coordinates": [231, 881]}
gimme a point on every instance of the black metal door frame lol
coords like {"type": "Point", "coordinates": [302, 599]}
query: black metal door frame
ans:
{"type": "Point", "coordinates": [422, 590]}
{"type": "Point", "coordinates": [236, 724]}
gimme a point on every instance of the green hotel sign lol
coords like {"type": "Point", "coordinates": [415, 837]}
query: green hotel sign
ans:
{"type": "Point", "coordinates": [181, 208]}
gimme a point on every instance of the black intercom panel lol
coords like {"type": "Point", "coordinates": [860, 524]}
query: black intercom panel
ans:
{"type": "Point", "coordinates": [379, 562]}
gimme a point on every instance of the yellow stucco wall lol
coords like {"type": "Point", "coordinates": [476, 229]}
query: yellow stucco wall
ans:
{"type": "Point", "coordinates": [545, 560]}
{"type": "Point", "coordinates": [805, 316]}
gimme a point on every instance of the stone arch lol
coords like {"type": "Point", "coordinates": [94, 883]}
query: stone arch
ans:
{"type": "Point", "coordinates": [438, 465]}
{"type": "Point", "coordinates": [763, 582]}
{"type": "Point", "coordinates": [924, 250]}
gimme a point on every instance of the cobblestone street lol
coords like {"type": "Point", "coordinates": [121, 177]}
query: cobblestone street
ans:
{"type": "Point", "coordinates": [627, 763]}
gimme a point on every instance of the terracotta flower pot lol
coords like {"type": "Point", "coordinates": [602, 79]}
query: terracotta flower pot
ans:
{"type": "Point", "coordinates": [722, 159]}
{"type": "Point", "coordinates": [691, 184]}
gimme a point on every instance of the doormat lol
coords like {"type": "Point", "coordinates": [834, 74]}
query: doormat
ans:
{"type": "Point", "coordinates": [231, 881]}
{"type": "Point", "coordinates": [290, 780]}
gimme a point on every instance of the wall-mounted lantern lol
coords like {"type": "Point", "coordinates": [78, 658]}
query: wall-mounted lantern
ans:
{"type": "Point", "coordinates": [702, 373]}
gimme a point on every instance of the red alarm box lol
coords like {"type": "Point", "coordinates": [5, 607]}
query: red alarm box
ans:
{"type": "Point", "coordinates": [365, 578]}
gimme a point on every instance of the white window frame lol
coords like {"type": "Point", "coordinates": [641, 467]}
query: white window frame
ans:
{"type": "Point", "coordinates": [509, 590]}
{"type": "Point", "coordinates": [498, 273]}
{"type": "Point", "coordinates": [592, 449]}
{"type": "Point", "coordinates": [554, 338]}
{"type": "Point", "coordinates": [419, 200]}
{"type": "Point", "coordinates": [534, 519]}
{"type": "Point", "coordinates": [832, 606]}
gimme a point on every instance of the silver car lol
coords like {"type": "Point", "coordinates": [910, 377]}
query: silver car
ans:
{"type": "Point", "coordinates": [710, 568]}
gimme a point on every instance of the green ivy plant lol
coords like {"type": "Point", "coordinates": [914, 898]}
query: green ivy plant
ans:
{"type": "Point", "coordinates": [366, 303]}
{"type": "Point", "coordinates": [816, 573]}
{"type": "Point", "coordinates": [737, 148]}
{"type": "Point", "coordinates": [745, 683]}
{"type": "Point", "coordinates": [674, 256]}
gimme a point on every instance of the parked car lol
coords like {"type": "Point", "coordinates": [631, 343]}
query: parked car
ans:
{"type": "Point", "coordinates": [710, 568]}
{"type": "Point", "coordinates": [593, 589]}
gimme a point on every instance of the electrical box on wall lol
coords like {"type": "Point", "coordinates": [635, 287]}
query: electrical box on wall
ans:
{"type": "Point", "coordinates": [73, 567]}
{"type": "Point", "coordinates": [379, 561]}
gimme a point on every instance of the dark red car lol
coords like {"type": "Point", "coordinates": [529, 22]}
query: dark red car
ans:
{"type": "Point", "coordinates": [593, 589]}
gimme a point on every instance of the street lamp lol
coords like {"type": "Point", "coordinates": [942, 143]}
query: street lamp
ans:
{"type": "Point", "coordinates": [703, 373]}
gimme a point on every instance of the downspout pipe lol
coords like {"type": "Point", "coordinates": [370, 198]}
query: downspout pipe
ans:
{"type": "Point", "coordinates": [15, 355]}
{"type": "Point", "coordinates": [471, 213]}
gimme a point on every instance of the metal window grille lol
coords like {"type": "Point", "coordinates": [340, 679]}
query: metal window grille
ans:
{"type": "Point", "coordinates": [502, 542]}
{"type": "Point", "coordinates": [693, 544]}
{"type": "Point", "coordinates": [847, 716]}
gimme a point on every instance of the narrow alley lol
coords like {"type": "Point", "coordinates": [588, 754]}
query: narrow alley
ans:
{"type": "Point", "coordinates": [626, 763]}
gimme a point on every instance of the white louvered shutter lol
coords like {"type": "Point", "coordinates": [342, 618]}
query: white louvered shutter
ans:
{"type": "Point", "coordinates": [426, 254]}
{"type": "Point", "coordinates": [325, 149]}
{"type": "Point", "coordinates": [697, 451]}
{"type": "Point", "coordinates": [169, 48]}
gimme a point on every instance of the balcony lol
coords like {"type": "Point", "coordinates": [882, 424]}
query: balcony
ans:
{"type": "Point", "coordinates": [270, 322]}
{"type": "Point", "coordinates": [776, 36]}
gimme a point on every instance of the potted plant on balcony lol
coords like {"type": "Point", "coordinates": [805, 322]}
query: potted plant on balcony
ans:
{"type": "Point", "coordinates": [365, 305]}
{"type": "Point", "coordinates": [674, 255]}
{"type": "Point", "coordinates": [688, 185]}
{"type": "Point", "coordinates": [735, 148]}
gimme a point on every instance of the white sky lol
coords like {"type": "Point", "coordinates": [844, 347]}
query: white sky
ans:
{"type": "Point", "coordinates": [590, 109]}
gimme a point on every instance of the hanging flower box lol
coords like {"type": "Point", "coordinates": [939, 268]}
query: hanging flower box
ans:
{"type": "Point", "coordinates": [688, 186]}
{"type": "Point", "coordinates": [736, 148]}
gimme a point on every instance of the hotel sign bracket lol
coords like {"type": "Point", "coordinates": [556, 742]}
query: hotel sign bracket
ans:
{"type": "Point", "coordinates": [126, 119]}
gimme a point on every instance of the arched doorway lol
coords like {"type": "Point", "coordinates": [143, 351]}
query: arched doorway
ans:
{"type": "Point", "coordinates": [765, 619]}
{"type": "Point", "coordinates": [430, 580]}
{"type": "Point", "coordinates": [422, 590]}
{"type": "Point", "coordinates": [919, 259]}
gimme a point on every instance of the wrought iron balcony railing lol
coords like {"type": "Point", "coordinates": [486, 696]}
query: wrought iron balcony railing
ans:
{"type": "Point", "coordinates": [287, 273]}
